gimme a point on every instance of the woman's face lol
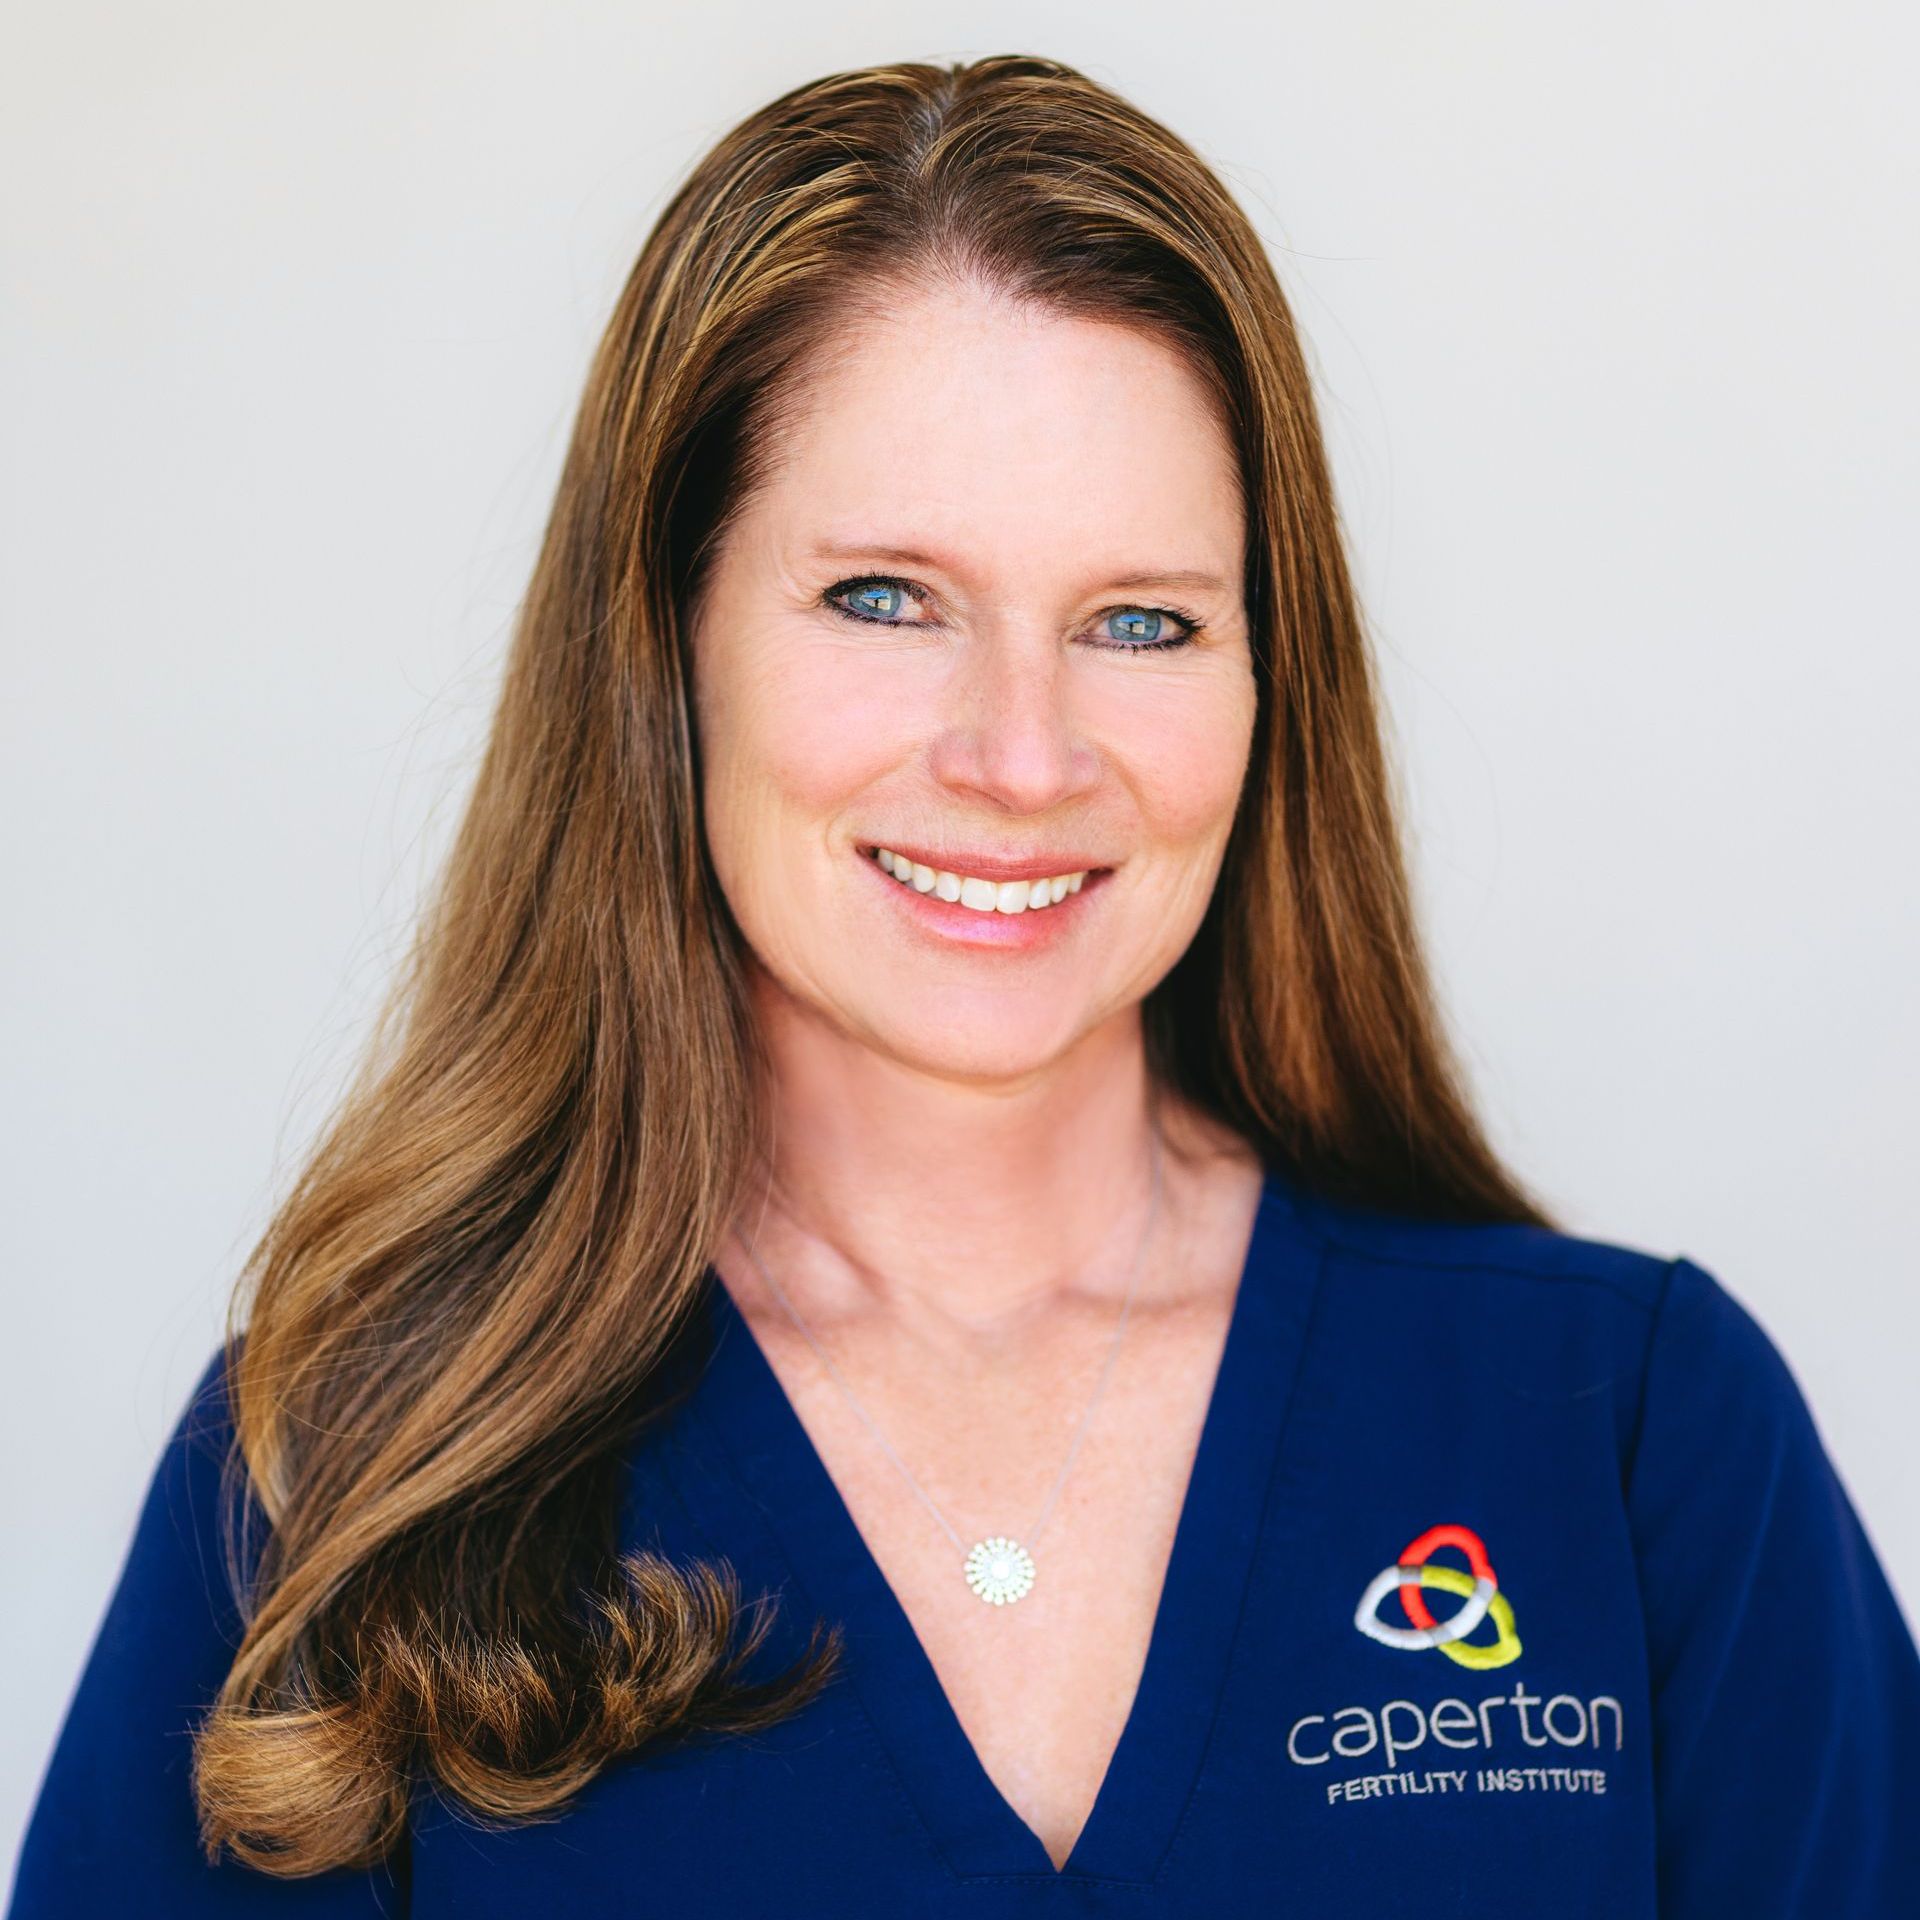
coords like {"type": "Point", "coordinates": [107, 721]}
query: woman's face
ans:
{"type": "Point", "coordinates": [985, 613]}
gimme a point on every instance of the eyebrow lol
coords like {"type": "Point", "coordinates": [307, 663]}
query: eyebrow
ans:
{"type": "Point", "coordinates": [917, 557]}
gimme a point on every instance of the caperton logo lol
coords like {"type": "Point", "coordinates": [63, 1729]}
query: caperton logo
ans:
{"type": "Point", "coordinates": [1414, 1570]}
{"type": "Point", "coordinates": [1398, 1727]}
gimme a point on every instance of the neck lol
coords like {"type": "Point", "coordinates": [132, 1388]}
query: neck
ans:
{"type": "Point", "coordinates": [960, 1205]}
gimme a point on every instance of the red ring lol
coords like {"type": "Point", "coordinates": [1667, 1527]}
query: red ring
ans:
{"type": "Point", "coordinates": [1416, 1554]}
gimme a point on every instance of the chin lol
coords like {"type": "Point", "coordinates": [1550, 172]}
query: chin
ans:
{"type": "Point", "coordinates": [977, 1046]}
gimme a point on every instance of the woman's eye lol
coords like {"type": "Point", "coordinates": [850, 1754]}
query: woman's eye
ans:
{"type": "Point", "coordinates": [871, 599]}
{"type": "Point", "coordinates": [883, 602]}
{"type": "Point", "coordinates": [1144, 627]}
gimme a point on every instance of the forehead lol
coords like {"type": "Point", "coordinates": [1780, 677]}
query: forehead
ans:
{"type": "Point", "coordinates": [967, 422]}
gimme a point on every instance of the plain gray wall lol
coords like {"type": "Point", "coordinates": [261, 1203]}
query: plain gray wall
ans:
{"type": "Point", "coordinates": [1613, 313]}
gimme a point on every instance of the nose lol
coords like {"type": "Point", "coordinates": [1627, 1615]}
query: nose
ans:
{"type": "Point", "coordinates": [1008, 733]}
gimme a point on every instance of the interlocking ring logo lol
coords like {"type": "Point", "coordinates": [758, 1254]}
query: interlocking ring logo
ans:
{"type": "Point", "coordinates": [1415, 1569]}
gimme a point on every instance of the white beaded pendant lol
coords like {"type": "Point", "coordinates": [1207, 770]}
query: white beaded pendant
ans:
{"type": "Point", "coordinates": [1000, 1570]}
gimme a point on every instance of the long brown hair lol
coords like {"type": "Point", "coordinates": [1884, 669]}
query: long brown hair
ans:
{"type": "Point", "coordinates": [464, 1309]}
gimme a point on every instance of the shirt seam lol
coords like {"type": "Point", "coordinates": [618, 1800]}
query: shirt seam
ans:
{"type": "Point", "coordinates": [1376, 1258]}
{"type": "Point", "coordinates": [1654, 1320]}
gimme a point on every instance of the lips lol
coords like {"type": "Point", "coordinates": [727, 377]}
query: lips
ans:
{"type": "Point", "coordinates": [975, 911]}
{"type": "Point", "coordinates": [983, 864]}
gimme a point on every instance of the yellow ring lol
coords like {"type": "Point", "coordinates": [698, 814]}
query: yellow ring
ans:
{"type": "Point", "coordinates": [1499, 1611]}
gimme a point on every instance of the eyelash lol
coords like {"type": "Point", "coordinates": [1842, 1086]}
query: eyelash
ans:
{"type": "Point", "coordinates": [1187, 620]}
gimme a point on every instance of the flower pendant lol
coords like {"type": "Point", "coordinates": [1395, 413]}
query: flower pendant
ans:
{"type": "Point", "coordinates": [999, 1570]}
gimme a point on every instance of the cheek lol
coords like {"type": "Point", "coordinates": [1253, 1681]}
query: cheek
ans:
{"type": "Point", "coordinates": [788, 742]}
{"type": "Point", "coordinates": [789, 737]}
{"type": "Point", "coordinates": [1182, 747]}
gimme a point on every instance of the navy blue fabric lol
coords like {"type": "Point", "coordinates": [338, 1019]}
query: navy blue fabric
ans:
{"type": "Point", "coordinates": [1703, 1699]}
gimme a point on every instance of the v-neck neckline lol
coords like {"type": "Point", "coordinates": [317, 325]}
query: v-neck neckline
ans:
{"type": "Point", "coordinates": [741, 1405]}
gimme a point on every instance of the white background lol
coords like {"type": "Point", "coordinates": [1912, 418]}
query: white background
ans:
{"type": "Point", "coordinates": [1613, 311]}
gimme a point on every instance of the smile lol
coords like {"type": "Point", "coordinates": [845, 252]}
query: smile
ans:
{"type": "Point", "coordinates": [956, 910]}
{"type": "Point", "coordinates": [981, 895]}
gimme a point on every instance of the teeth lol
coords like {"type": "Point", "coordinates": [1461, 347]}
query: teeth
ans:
{"type": "Point", "coordinates": [983, 896]}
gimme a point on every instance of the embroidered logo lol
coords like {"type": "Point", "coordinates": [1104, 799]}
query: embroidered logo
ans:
{"type": "Point", "coordinates": [1416, 1569]}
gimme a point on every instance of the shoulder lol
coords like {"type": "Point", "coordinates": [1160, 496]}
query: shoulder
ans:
{"type": "Point", "coordinates": [1514, 1311]}
{"type": "Point", "coordinates": [1693, 1376]}
{"type": "Point", "coordinates": [203, 1433]}
{"type": "Point", "coordinates": [179, 1537]}
{"type": "Point", "coordinates": [178, 1575]}
{"type": "Point", "coordinates": [1487, 1257]}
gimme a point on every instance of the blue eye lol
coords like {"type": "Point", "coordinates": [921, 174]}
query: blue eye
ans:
{"type": "Point", "coordinates": [867, 592]}
{"type": "Point", "coordinates": [880, 601]}
{"type": "Point", "coordinates": [1143, 623]}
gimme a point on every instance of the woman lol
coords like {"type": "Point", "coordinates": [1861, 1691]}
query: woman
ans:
{"type": "Point", "coordinates": [910, 1317]}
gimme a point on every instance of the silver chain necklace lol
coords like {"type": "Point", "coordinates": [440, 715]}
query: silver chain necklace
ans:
{"type": "Point", "coordinates": [999, 1569]}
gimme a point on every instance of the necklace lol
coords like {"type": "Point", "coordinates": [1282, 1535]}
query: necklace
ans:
{"type": "Point", "coordinates": [999, 1569]}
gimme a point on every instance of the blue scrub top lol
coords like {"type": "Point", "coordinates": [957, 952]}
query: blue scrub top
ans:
{"type": "Point", "coordinates": [1683, 1684]}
